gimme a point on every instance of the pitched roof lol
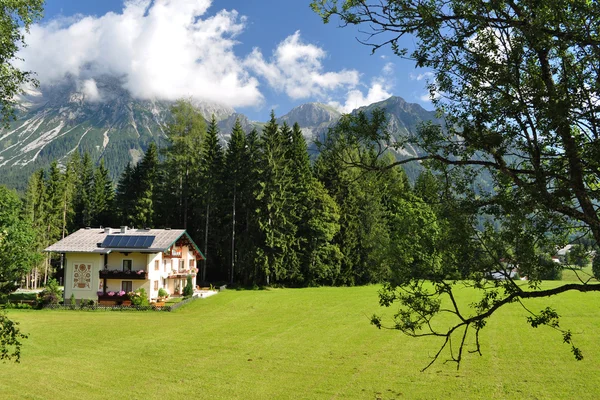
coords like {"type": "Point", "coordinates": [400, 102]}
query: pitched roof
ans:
{"type": "Point", "coordinates": [92, 240]}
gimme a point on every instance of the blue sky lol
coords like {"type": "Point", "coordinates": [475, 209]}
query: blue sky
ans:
{"type": "Point", "coordinates": [252, 55]}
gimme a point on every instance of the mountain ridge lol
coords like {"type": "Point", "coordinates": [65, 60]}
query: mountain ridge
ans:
{"type": "Point", "coordinates": [57, 120]}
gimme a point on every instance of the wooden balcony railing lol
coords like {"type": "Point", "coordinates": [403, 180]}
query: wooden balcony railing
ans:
{"type": "Point", "coordinates": [120, 274]}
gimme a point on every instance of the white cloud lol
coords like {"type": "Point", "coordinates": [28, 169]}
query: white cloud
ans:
{"type": "Point", "coordinates": [424, 76]}
{"type": "Point", "coordinates": [355, 98]}
{"type": "Point", "coordinates": [388, 69]}
{"type": "Point", "coordinates": [90, 90]}
{"type": "Point", "coordinates": [296, 69]}
{"type": "Point", "coordinates": [379, 90]}
{"type": "Point", "coordinates": [163, 49]}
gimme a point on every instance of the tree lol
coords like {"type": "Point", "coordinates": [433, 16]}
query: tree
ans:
{"type": "Point", "coordinates": [185, 135]}
{"type": "Point", "coordinates": [14, 16]}
{"type": "Point", "coordinates": [125, 196]}
{"type": "Point", "coordinates": [145, 177]}
{"type": "Point", "coordinates": [84, 189]}
{"type": "Point", "coordinates": [209, 192]}
{"type": "Point", "coordinates": [276, 253]}
{"type": "Point", "coordinates": [235, 181]}
{"type": "Point", "coordinates": [103, 195]}
{"type": "Point", "coordinates": [578, 255]}
{"type": "Point", "coordinates": [517, 86]}
{"type": "Point", "coordinates": [17, 258]}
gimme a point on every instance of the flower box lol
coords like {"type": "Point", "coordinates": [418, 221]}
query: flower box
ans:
{"type": "Point", "coordinates": [120, 274]}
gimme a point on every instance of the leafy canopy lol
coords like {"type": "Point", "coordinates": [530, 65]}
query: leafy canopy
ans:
{"type": "Point", "coordinates": [517, 84]}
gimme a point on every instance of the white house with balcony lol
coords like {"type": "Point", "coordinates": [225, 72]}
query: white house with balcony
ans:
{"type": "Point", "coordinates": [101, 263]}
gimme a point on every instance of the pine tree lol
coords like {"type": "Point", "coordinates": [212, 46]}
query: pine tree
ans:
{"type": "Point", "coordinates": [145, 178]}
{"type": "Point", "coordinates": [210, 192]}
{"type": "Point", "coordinates": [250, 234]}
{"type": "Point", "coordinates": [84, 189]}
{"type": "Point", "coordinates": [276, 254]}
{"type": "Point", "coordinates": [102, 197]}
{"type": "Point", "coordinates": [125, 199]}
{"type": "Point", "coordinates": [236, 175]}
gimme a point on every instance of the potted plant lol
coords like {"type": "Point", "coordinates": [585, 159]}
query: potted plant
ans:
{"type": "Point", "coordinates": [162, 294]}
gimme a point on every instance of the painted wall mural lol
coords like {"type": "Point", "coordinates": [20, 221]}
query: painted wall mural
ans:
{"type": "Point", "coordinates": [82, 276]}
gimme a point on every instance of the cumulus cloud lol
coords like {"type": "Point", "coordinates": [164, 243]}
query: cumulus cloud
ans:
{"type": "Point", "coordinates": [90, 90]}
{"type": "Point", "coordinates": [163, 49]}
{"type": "Point", "coordinates": [379, 90]}
{"type": "Point", "coordinates": [296, 69]}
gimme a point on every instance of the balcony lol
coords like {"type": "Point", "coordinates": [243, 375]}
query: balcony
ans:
{"type": "Point", "coordinates": [120, 274]}
{"type": "Point", "coordinates": [182, 273]}
{"type": "Point", "coordinates": [172, 253]}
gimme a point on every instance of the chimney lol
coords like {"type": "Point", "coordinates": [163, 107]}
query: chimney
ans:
{"type": "Point", "coordinates": [107, 230]}
{"type": "Point", "coordinates": [123, 229]}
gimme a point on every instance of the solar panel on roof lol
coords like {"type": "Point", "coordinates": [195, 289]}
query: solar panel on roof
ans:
{"type": "Point", "coordinates": [128, 241]}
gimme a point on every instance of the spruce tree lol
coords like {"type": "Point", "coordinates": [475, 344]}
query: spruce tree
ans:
{"type": "Point", "coordinates": [209, 194]}
{"type": "Point", "coordinates": [235, 181]}
{"type": "Point", "coordinates": [84, 189]}
{"type": "Point", "coordinates": [102, 197]}
{"type": "Point", "coordinates": [145, 178]}
{"type": "Point", "coordinates": [276, 254]}
{"type": "Point", "coordinates": [125, 199]}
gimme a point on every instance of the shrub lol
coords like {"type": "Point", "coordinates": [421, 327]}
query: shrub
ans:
{"type": "Point", "coordinates": [18, 306]}
{"type": "Point", "coordinates": [72, 301]}
{"type": "Point", "coordinates": [162, 293]}
{"type": "Point", "coordinates": [188, 290]}
{"type": "Point", "coordinates": [548, 269]}
{"type": "Point", "coordinates": [139, 297]}
{"type": "Point", "coordinates": [51, 294]}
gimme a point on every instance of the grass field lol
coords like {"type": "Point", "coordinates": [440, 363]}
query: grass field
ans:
{"type": "Point", "coordinates": [313, 343]}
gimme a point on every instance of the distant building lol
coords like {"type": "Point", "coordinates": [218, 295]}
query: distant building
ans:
{"type": "Point", "coordinates": [101, 263]}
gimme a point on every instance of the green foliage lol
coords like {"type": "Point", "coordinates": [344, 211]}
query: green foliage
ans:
{"type": "Point", "coordinates": [16, 16]}
{"type": "Point", "coordinates": [52, 293]}
{"type": "Point", "coordinates": [139, 297]}
{"type": "Point", "coordinates": [18, 253]}
{"type": "Point", "coordinates": [185, 136]}
{"type": "Point", "coordinates": [578, 255]}
{"type": "Point", "coordinates": [102, 197]}
{"type": "Point", "coordinates": [72, 301]}
{"type": "Point", "coordinates": [162, 292]}
{"type": "Point", "coordinates": [596, 266]}
{"type": "Point", "coordinates": [188, 290]}
{"type": "Point", "coordinates": [10, 339]}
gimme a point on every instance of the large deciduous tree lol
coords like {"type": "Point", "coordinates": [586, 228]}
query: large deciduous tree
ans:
{"type": "Point", "coordinates": [17, 256]}
{"type": "Point", "coordinates": [16, 16]}
{"type": "Point", "coordinates": [517, 83]}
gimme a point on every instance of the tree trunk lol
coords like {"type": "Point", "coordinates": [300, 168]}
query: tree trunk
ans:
{"type": "Point", "coordinates": [233, 236]}
{"type": "Point", "coordinates": [206, 241]}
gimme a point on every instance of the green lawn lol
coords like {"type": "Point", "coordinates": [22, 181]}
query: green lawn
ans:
{"type": "Point", "coordinates": [575, 274]}
{"type": "Point", "coordinates": [311, 343]}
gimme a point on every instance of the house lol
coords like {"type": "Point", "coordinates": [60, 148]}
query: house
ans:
{"type": "Point", "coordinates": [101, 263]}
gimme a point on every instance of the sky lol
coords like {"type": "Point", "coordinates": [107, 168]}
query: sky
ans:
{"type": "Point", "coordinates": [252, 55]}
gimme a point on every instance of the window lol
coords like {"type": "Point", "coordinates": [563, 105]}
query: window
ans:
{"type": "Point", "coordinates": [155, 285]}
{"type": "Point", "coordinates": [192, 262]}
{"type": "Point", "coordinates": [181, 265]}
{"type": "Point", "coordinates": [127, 286]}
{"type": "Point", "coordinates": [127, 265]}
{"type": "Point", "coordinates": [156, 265]}
{"type": "Point", "coordinates": [165, 265]}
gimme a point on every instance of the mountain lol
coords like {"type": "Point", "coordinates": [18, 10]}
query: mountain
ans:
{"type": "Point", "coordinates": [57, 120]}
